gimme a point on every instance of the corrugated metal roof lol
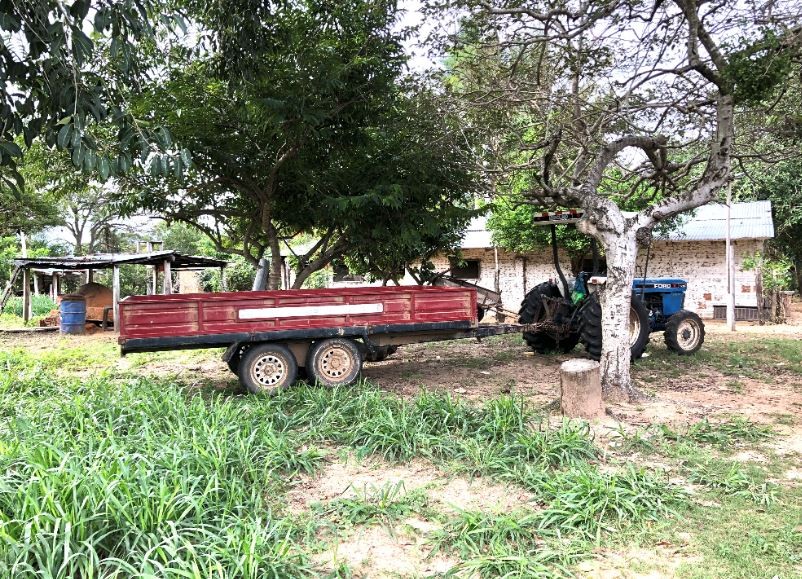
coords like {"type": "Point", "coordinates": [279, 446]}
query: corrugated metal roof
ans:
{"type": "Point", "coordinates": [750, 220]}
{"type": "Point", "coordinates": [108, 260]}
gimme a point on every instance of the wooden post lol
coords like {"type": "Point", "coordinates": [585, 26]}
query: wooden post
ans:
{"type": "Point", "coordinates": [153, 281]}
{"type": "Point", "coordinates": [223, 283]}
{"type": "Point", "coordinates": [26, 294]}
{"type": "Point", "coordinates": [89, 276]}
{"type": "Point", "coordinates": [168, 278]}
{"type": "Point", "coordinates": [730, 265]}
{"type": "Point", "coordinates": [54, 286]}
{"type": "Point", "coordinates": [580, 389]}
{"type": "Point", "coordinates": [115, 296]}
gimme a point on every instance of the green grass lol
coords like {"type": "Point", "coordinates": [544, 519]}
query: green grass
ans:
{"type": "Point", "coordinates": [723, 434]}
{"type": "Point", "coordinates": [762, 359]}
{"type": "Point", "coordinates": [40, 305]}
{"type": "Point", "coordinates": [104, 473]}
{"type": "Point", "coordinates": [386, 504]}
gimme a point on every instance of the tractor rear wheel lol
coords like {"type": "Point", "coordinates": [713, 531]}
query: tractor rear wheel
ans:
{"type": "Point", "coordinates": [533, 312]}
{"type": "Point", "coordinates": [685, 333]}
{"type": "Point", "coordinates": [590, 327]}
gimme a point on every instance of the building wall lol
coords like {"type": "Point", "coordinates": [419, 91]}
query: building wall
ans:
{"type": "Point", "coordinates": [517, 273]}
{"type": "Point", "coordinates": [701, 263]}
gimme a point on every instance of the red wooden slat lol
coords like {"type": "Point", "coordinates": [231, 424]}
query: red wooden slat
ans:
{"type": "Point", "coordinates": [194, 314]}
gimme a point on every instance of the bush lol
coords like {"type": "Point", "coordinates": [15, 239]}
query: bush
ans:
{"type": "Point", "coordinates": [40, 305]}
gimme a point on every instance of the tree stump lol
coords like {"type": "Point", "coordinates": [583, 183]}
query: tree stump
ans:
{"type": "Point", "coordinates": [580, 389]}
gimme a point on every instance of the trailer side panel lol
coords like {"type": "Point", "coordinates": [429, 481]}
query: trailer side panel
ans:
{"type": "Point", "coordinates": [262, 313]}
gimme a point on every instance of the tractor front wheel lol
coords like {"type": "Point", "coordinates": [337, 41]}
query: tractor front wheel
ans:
{"type": "Point", "coordinates": [685, 333]}
{"type": "Point", "coordinates": [533, 311]}
{"type": "Point", "coordinates": [590, 329]}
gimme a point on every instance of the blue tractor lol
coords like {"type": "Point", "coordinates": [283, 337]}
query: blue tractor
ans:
{"type": "Point", "coordinates": [560, 322]}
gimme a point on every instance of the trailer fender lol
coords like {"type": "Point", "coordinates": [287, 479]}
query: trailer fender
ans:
{"type": "Point", "coordinates": [231, 351]}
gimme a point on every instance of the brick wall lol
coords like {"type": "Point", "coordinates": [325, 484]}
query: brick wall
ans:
{"type": "Point", "coordinates": [702, 263]}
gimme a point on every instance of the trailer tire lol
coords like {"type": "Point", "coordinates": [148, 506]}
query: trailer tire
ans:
{"type": "Point", "coordinates": [532, 312]}
{"type": "Point", "coordinates": [685, 333]}
{"type": "Point", "coordinates": [334, 362]}
{"type": "Point", "coordinates": [267, 368]}
{"type": "Point", "coordinates": [235, 359]}
{"type": "Point", "coordinates": [590, 327]}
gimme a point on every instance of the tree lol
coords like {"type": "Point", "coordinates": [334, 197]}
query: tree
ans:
{"type": "Point", "coordinates": [781, 185]}
{"type": "Point", "coordinates": [605, 94]}
{"type": "Point", "coordinates": [73, 199]}
{"type": "Point", "coordinates": [314, 137]}
{"type": "Point", "coordinates": [67, 67]}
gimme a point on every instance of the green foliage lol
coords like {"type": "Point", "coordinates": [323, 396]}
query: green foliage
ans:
{"type": "Point", "coordinates": [61, 82]}
{"type": "Point", "coordinates": [40, 305]}
{"type": "Point", "coordinates": [10, 249]}
{"type": "Point", "coordinates": [775, 272]}
{"type": "Point", "coordinates": [513, 229]}
{"type": "Point", "coordinates": [732, 478]}
{"type": "Point", "coordinates": [737, 429]}
{"type": "Point", "coordinates": [757, 67]}
{"type": "Point", "coordinates": [138, 480]}
{"type": "Point", "coordinates": [239, 276]}
{"type": "Point", "coordinates": [347, 152]}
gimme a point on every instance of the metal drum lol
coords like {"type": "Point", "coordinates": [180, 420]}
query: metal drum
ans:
{"type": "Point", "coordinates": [72, 314]}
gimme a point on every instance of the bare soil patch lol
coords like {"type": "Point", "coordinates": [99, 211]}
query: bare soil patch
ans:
{"type": "Point", "coordinates": [346, 478]}
{"type": "Point", "coordinates": [380, 552]}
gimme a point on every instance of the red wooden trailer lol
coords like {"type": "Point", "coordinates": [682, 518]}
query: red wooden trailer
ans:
{"type": "Point", "coordinates": [270, 334]}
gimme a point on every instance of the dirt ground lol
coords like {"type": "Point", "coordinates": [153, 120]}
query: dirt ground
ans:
{"type": "Point", "coordinates": [477, 370]}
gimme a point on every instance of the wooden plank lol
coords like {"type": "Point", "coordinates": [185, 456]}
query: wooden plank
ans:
{"type": "Point", "coordinates": [115, 296]}
{"type": "Point", "coordinates": [26, 295]}
{"type": "Point", "coordinates": [9, 288]}
{"type": "Point", "coordinates": [168, 278]}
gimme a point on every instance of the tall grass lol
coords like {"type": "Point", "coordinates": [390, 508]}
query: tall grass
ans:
{"type": "Point", "coordinates": [128, 477]}
{"type": "Point", "coordinates": [40, 305]}
{"type": "Point", "coordinates": [118, 476]}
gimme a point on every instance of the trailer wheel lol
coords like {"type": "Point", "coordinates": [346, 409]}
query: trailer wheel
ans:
{"type": "Point", "coordinates": [685, 333]}
{"type": "Point", "coordinates": [334, 362]}
{"type": "Point", "coordinates": [532, 312]}
{"type": "Point", "coordinates": [590, 329]}
{"type": "Point", "coordinates": [267, 368]}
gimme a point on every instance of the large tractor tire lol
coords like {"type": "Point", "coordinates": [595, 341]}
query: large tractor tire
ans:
{"type": "Point", "coordinates": [590, 327]}
{"type": "Point", "coordinates": [532, 312]}
{"type": "Point", "coordinates": [685, 333]}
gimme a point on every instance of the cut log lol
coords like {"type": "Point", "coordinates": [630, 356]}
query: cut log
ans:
{"type": "Point", "coordinates": [580, 389]}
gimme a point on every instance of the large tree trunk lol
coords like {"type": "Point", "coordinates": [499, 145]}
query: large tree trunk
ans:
{"type": "Point", "coordinates": [274, 277]}
{"type": "Point", "coordinates": [615, 298]}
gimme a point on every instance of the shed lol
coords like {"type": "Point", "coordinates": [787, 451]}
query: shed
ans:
{"type": "Point", "coordinates": [165, 261]}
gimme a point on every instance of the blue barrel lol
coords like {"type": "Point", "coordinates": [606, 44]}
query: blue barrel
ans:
{"type": "Point", "coordinates": [72, 314]}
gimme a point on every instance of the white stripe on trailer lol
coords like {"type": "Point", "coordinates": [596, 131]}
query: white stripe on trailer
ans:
{"type": "Point", "coordinates": [310, 311]}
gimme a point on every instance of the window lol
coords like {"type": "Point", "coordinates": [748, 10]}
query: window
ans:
{"type": "Point", "coordinates": [587, 265]}
{"type": "Point", "coordinates": [341, 273]}
{"type": "Point", "coordinates": [464, 269]}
